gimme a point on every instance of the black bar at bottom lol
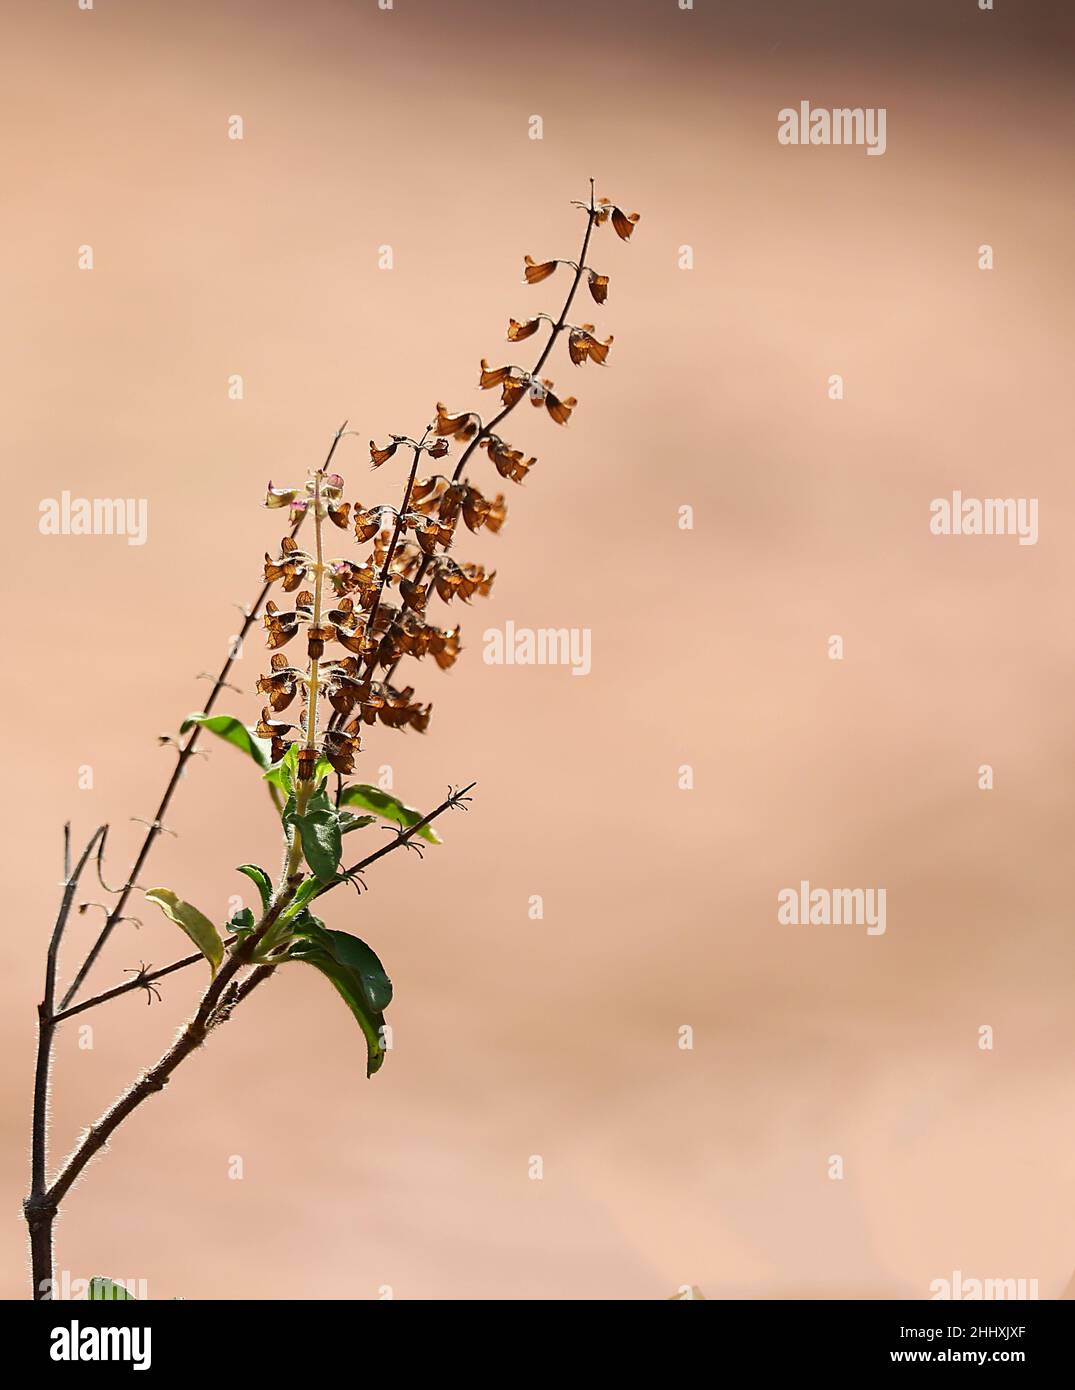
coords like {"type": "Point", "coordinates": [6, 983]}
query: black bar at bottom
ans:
{"type": "Point", "coordinates": [191, 1337]}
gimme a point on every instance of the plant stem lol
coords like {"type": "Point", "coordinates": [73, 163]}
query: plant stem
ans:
{"type": "Point", "coordinates": [148, 977]}
{"type": "Point", "coordinates": [401, 839]}
{"type": "Point", "coordinates": [216, 1007]}
{"type": "Point", "coordinates": [554, 333]}
{"type": "Point", "coordinates": [393, 544]}
{"type": "Point", "coordinates": [154, 1080]}
{"type": "Point", "coordinates": [313, 687]}
{"type": "Point", "coordinates": [213, 1009]}
{"type": "Point", "coordinates": [338, 720]}
{"type": "Point", "coordinates": [39, 1207]}
{"type": "Point", "coordinates": [173, 782]}
{"type": "Point", "coordinates": [155, 825]}
{"type": "Point", "coordinates": [487, 429]}
{"type": "Point", "coordinates": [263, 972]}
{"type": "Point", "coordinates": [143, 978]}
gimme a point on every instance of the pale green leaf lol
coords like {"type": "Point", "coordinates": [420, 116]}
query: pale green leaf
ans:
{"type": "Point", "coordinates": [196, 925]}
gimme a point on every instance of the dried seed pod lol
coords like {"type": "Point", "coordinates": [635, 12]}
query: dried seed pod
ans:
{"type": "Point", "coordinates": [518, 331]}
{"type": "Point", "coordinates": [379, 456]}
{"type": "Point", "coordinates": [622, 222]}
{"type": "Point", "coordinates": [598, 286]}
{"type": "Point", "coordinates": [462, 427]}
{"type": "Point", "coordinates": [535, 272]}
{"type": "Point", "coordinates": [582, 346]}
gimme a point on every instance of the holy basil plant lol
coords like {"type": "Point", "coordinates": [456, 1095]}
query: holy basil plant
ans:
{"type": "Point", "coordinates": [337, 628]}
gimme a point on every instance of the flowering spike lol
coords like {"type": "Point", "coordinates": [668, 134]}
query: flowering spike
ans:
{"type": "Point", "coordinates": [381, 602]}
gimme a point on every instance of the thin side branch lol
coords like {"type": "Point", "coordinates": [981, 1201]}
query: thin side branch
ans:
{"type": "Point", "coordinates": [141, 981]}
{"type": "Point", "coordinates": [449, 803]}
{"type": "Point", "coordinates": [185, 752]}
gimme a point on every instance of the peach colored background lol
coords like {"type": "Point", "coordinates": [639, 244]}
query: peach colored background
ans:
{"type": "Point", "coordinates": [558, 1038]}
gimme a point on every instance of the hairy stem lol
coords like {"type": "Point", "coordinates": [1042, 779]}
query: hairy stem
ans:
{"type": "Point", "coordinates": [401, 839]}
{"type": "Point", "coordinates": [185, 753]}
{"type": "Point", "coordinates": [263, 972]}
{"type": "Point", "coordinates": [157, 1077]}
{"type": "Point", "coordinates": [148, 977]}
{"type": "Point", "coordinates": [142, 980]}
{"type": "Point", "coordinates": [314, 684]}
{"type": "Point", "coordinates": [39, 1207]}
{"type": "Point", "coordinates": [221, 998]}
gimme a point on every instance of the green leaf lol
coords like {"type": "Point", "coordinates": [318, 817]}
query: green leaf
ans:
{"type": "Point", "coordinates": [107, 1290]}
{"type": "Point", "coordinates": [307, 889]}
{"type": "Point", "coordinates": [363, 961]}
{"type": "Point", "coordinates": [388, 806]}
{"type": "Point", "coordinates": [291, 924]}
{"type": "Point", "coordinates": [261, 878]}
{"type": "Point", "coordinates": [282, 774]}
{"type": "Point", "coordinates": [321, 842]}
{"type": "Point", "coordinates": [286, 923]}
{"type": "Point", "coordinates": [196, 925]}
{"type": "Point", "coordinates": [287, 815]}
{"type": "Point", "coordinates": [232, 731]}
{"type": "Point", "coordinates": [358, 976]}
{"type": "Point", "coordinates": [243, 920]}
{"type": "Point", "coordinates": [319, 827]}
{"type": "Point", "coordinates": [348, 821]}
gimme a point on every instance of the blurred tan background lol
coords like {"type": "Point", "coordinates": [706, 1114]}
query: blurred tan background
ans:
{"type": "Point", "coordinates": [558, 1038]}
